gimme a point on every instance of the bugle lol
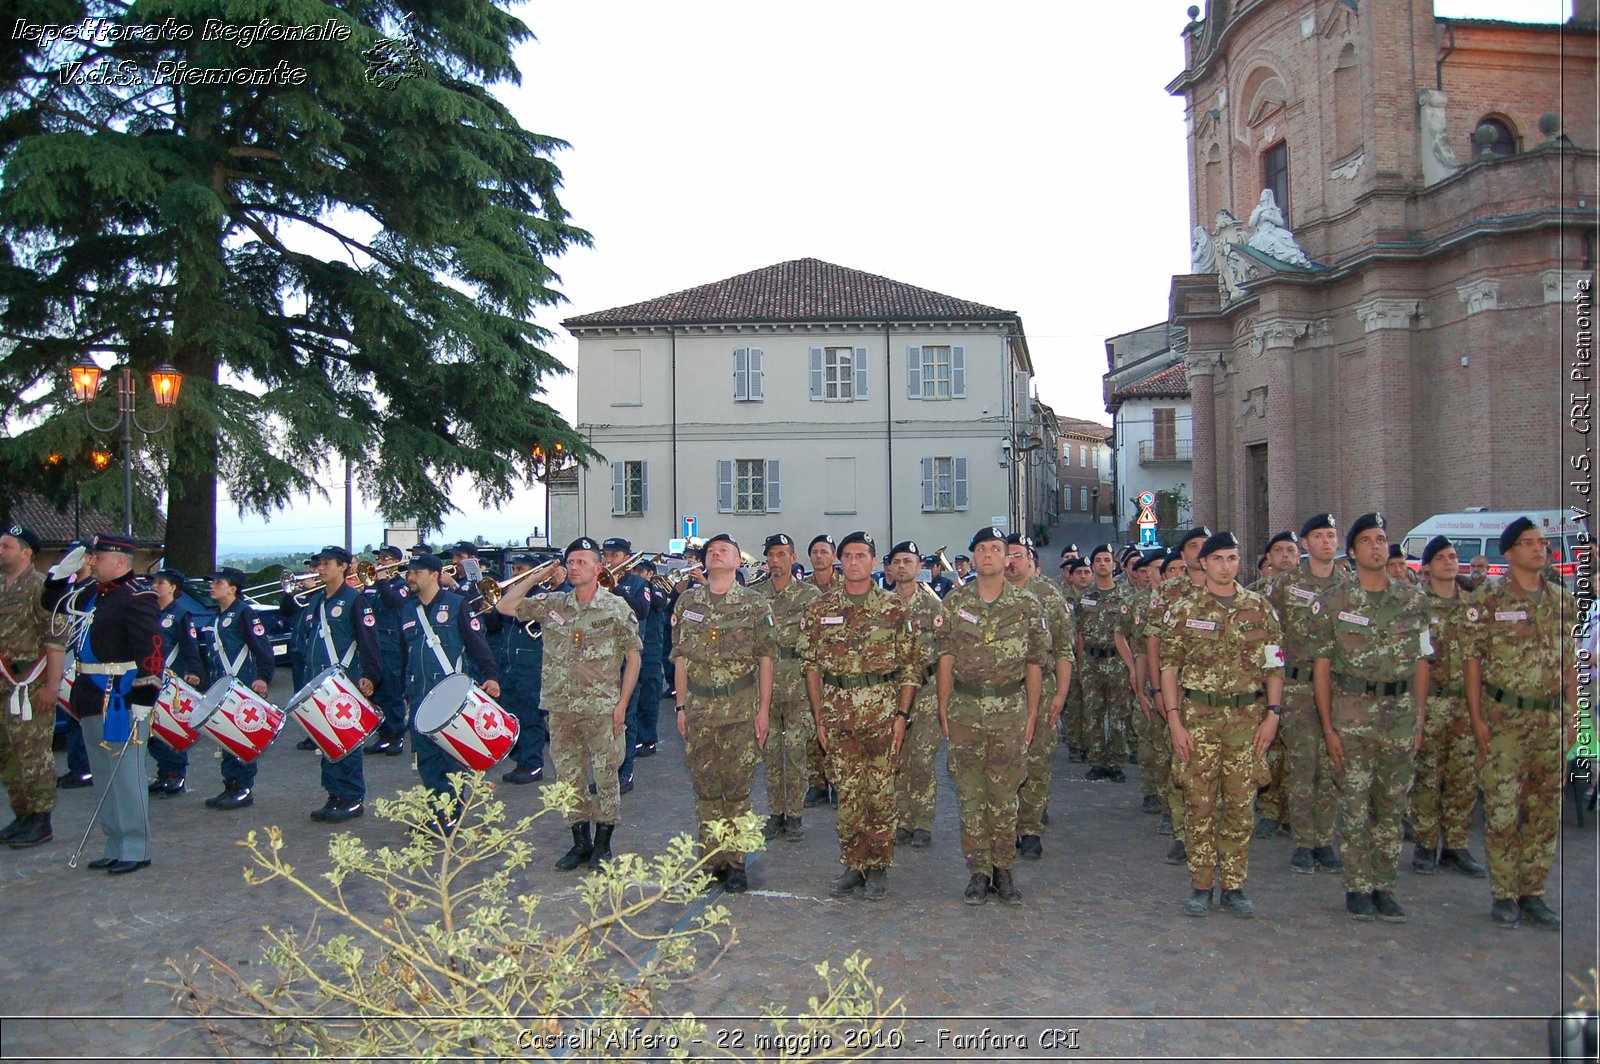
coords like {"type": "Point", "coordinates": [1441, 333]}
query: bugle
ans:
{"type": "Point", "coordinates": [494, 590]}
{"type": "Point", "coordinates": [368, 573]}
{"type": "Point", "coordinates": [612, 573]}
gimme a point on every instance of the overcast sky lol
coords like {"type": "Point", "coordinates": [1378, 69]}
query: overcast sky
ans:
{"type": "Point", "coordinates": [1026, 157]}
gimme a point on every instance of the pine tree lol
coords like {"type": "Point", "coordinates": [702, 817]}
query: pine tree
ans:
{"type": "Point", "coordinates": [342, 257]}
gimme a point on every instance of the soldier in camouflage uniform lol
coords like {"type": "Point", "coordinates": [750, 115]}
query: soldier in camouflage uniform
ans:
{"type": "Point", "coordinates": [916, 781]}
{"type": "Point", "coordinates": [590, 640]}
{"type": "Point", "coordinates": [1034, 795]}
{"type": "Point", "coordinates": [1370, 648]}
{"type": "Point", "coordinates": [1446, 784]}
{"type": "Point", "coordinates": [1145, 722]}
{"type": "Point", "coordinates": [1104, 617]}
{"type": "Point", "coordinates": [29, 715]}
{"type": "Point", "coordinates": [1522, 654]}
{"type": "Point", "coordinates": [1076, 728]}
{"type": "Point", "coordinates": [1223, 660]}
{"type": "Point", "coordinates": [1272, 803]}
{"type": "Point", "coordinates": [863, 668]}
{"type": "Point", "coordinates": [993, 647]}
{"type": "Point", "coordinates": [821, 551]}
{"type": "Point", "coordinates": [722, 660]}
{"type": "Point", "coordinates": [1311, 788]}
{"type": "Point", "coordinates": [1172, 589]}
{"type": "Point", "coordinates": [791, 725]}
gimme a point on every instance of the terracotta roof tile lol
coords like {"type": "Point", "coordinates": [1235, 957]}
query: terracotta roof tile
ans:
{"type": "Point", "coordinates": [56, 528]}
{"type": "Point", "coordinates": [1167, 383]}
{"type": "Point", "coordinates": [799, 290]}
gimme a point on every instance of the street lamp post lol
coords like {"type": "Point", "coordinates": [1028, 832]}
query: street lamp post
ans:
{"type": "Point", "coordinates": [165, 382]}
{"type": "Point", "coordinates": [546, 464]}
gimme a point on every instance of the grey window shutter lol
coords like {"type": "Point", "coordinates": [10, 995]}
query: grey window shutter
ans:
{"type": "Point", "coordinates": [958, 487]}
{"type": "Point", "coordinates": [958, 372]}
{"type": "Point", "coordinates": [724, 486]}
{"type": "Point", "coordinates": [774, 495]}
{"type": "Point", "coordinates": [816, 374]}
{"type": "Point", "coordinates": [619, 488]}
{"type": "Point", "coordinates": [741, 374]}
{"type": "Point", "coordinates": [860, 361]}
{"type": "Point", "coordinates": [913, 373]}
{"type": "Point", "coordinates": [756, 394]}
{"type": "Point", "coordinates": [928, 498]}
{"type": "Point", "coordinates": [644, 487]}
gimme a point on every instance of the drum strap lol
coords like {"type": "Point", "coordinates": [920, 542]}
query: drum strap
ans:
{"type": "Point", "coordinates": [434, 644]}
{"type": "Point", "coordinates": [231, 667]}
{"type": "Point", "coordinates": [327, 638]}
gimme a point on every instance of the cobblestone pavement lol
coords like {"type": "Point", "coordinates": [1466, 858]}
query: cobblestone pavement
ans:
{"type": "Point", "coordinates": [1099, 947]}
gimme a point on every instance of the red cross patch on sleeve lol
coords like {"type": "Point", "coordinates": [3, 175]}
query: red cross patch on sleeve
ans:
{"type": "Point", "coordinates": [369, 620]}
{"type": "Point", "coordinates": [475, 625]}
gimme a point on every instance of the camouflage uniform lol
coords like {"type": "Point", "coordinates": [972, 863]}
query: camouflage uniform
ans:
{"type": "Point", "coordinates": [1164, 601]}
{"type": "Point", "coordinates": [585, 647]}
{"type": "Point", "coordinates": [1311, 788]}
{"type": "Point", "coordinates": [917, 781]}
{"type": "Point", "coordinates": [791, 725]}
{"type": "Point", "coordinates": [866, 651]}
{"type": "Point", "coordinates": [1155, 755]}
{"type": "Point", "coordinates": [1072, 725]}
{"type": "Point", "coordinates": [1100, 616]}
{"type": "Point", "coordinates": [1446, 784]}
{"type": "Point", "coordinates": [1224, 650]}
{"type": "Point", "coordinates": [816, 763]}
{"type": "Point", "coordinates": [1272, 801]}
{"type": "Point", "coordinates": [1522, 643]}
{"type": "Point", "coordinates": [721, 640]}
{"type": "Point", "coordinates": [26, 767]}
{"type": "Point", "coordinates": [991, 643]}
{"type": "Point", "coordinates": [1034, 794]}
{"type": "Point", "coordinates": [1372, 641]}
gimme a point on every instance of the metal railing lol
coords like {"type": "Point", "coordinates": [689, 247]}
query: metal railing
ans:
{"type": "Point", "coordinates": [1159, 452]}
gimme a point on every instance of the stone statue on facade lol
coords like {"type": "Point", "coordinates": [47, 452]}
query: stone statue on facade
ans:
{"type": "Point", "coordinates": [1202, 254]}
{"type": "Point", "coordinates": [1272, 237]}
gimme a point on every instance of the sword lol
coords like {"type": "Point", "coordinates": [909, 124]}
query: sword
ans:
{"type": "Point", "coordinates": [133, 737]}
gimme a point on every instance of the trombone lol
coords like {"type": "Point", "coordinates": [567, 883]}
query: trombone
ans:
{"type": "Point", "coordinates": [369, 573]}
{"type": "Point", "coordinates": [612, 573]}
{"type": "Point", "coordinates": [494, 590]}
{"type": "Point", "coordinates": [673, 582]}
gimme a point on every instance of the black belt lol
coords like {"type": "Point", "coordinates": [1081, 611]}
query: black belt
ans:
{"type": "Point", "coordinates": [788, 652]}
{"type": "Point", "coordinates": [850, 683]}
{"type": "Point", "coordinates": [1510, 698]}
{"type": "Point", "coordinates": [1439, 690]}
{"type": "Point", "coordinates": [1230, 701]}
{"type": "Point", "coordinates": [1100, 652]}
{"type": "Point", "coordinates": [1294, 672]}
{"type": "Point", "coordinates": [721, 690]}
{"type": "Point", "coordinates": [1373, 687]}
{"type": "Point", "coordinates": [988, 690]}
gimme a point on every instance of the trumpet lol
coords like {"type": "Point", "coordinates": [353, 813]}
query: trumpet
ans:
{"type": "Point", "coordinates": [673, 582]}
{"type": "Point", "coordinates": [612, 573]}
{"type": "Point", "coordinates": [494, 590]}
{"type": "Point", "coordinates": [297, 587]}
{"type": "Point", "coordinates": [763, 572]}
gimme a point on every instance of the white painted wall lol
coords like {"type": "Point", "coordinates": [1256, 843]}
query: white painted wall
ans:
{"type": "Point", "coordinates": [1135, 423]}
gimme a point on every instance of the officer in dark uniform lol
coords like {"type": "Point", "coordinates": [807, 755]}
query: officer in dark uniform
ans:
{"type": "Point", "coordinates": [637, 593]}
{"type": "Point", "coordinates": [239, 648]}
{"type": "Point", "coordinates": [520, 654]}
{"type": "Point", "coordinates": [464, 585]}
{"type": "Point", "coordinates": [182, 642]}
{"type": "Point", "coordinates": [654, 636]}
{"type": "Point", "coordinates": [440, 633]}
{"type": "Point", "coordinates": [344, 625]}
{"type": "Point", "coordinates": [390, 697]}
{"type": "Point", "coordinates": [940, 584]}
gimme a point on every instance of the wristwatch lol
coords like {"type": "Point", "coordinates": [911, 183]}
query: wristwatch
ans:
{"type": "Point", "coordinates": [1150, 690]}
{"type": "Point", "coordinates": [905, 716]}
{"type": "Point", "coordinates": [1275, 710]}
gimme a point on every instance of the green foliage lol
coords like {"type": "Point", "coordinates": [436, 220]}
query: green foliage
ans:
{"type": "Point", "coordinates": [432, 950]}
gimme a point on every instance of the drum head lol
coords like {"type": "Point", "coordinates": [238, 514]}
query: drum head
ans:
{"type": "Point", "coordinates": [211, 700]}
{"type": "Point", "coordinates": [312, 685]}
{"type": "Point", "coordinates": [441, 703]}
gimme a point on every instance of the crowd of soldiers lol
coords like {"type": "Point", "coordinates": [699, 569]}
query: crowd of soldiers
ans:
{"type": "Point", "coordinates": [1322, 699]}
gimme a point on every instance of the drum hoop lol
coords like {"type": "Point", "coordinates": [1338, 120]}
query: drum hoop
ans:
{"type": "Point", "coordinates": [311, 687]}
{"type": "Point", "coordinates": [434, 696]}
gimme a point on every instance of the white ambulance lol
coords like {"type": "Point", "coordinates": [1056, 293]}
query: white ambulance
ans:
{"type": "Point", "coordinates": [1477, 531]}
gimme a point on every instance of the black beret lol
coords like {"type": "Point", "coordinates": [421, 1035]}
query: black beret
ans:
{"type": "Point", "coordinates": [331, 553]}
{"type": "Point", "coordinates": [171, 576]}
{"type": "Point", "coordinates": [1283, 537]}
{"type": "Point", "coordinates": [986, 535]}
{"type": "Point", "coordinates": [1316, 521]}
{"type": "Point", "coordinates": [25, 536]}
{"type": "Point", "coordinates": [1219, 541]}
{"type": "Point", "coordinates": [820, 538]}
{"type": "Point", "coordinates": [464, 547]}
{"type": "Point", "coordinates": [1074, 564]}
{"type": "Point", "coordinates": [1130, 548]}
{"type": "Point", "coordinates": [1513, 532]}
{"type": "Point", "coordinates": [581, 543]}
{"type": "Point", "coordinates": [1362, 524]}
{"type": "Point", "coordinates": [777, 539]}
{"type": "Point", "coordinates": [907, 546]}
{"type": "Point", "coordinates": [859, 537]}
{"type": "Point", "coordinates": [108, 543]}
{"type": "Point", "coordinates": [425, 563]}
{"type": "Point", "coordinates": [617, 543]}
{"type": "Point", "coordinates": [1099, 548]}
{"type": "Point", "coordinates": [1168, 558]}
{"type": "Point", "coordinates": [1199, 532]}
{"type": "Point", "coordinates": [1434, 546]}
{"type": "Point", "coordinates": [387, 551]}
{"type": "Point", "coordinates": [1395, 551]}
{"type": "Point", "coordinates": [722, 537]}
{"type": "Point", "coordinates": [1017, 539]}
{"type": "Point", "coordinates": [230, 574]}
{"type": "Point", "coordinates": [1070, 548]}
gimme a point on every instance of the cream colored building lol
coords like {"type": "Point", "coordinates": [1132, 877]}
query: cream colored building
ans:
{"type": "Point", "coordinates": [804, 397]}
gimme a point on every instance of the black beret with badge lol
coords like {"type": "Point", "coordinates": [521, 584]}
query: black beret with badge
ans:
{"type": "Point", "coordinates": [1513, 532]}
{"type": "Point", "coordinates": [1283, 537]}
{"type": "Point", "coordinates": [1099, 548]}
{"type": "Point", "coordinates": [1433, 547]}
{"type": "Point", "coordinates": [862, 538]}
{"type": "Point", "coordinates": [1219, 541]}
{"type": "Point", "coordinates": [819, 538]}
{"type": "Point", "coordinates": [906, 546]}
{"type": "Point", "coordinates": [25, 536]}
{"type": "Point", "coordinates": [581, 543]}
{"type": "Point", "coordinates": [990, 534]}
{"type": "Point", "coordinates": [1316, 521]}
{"type": "Point", "coordinates": [1198, 532]}
{"type": "Point", "coordinates": [722, 537]}
{"type": "Point", "coordinates": [777, 539]}
{"type": "Point", "coordinates": [1364, 523]}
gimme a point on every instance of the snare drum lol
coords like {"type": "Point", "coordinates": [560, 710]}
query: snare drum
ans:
{"type": "Point", "coordinates": [466, 723]}
{"type": "Point", "coordinates": [240, 720]}
{"type": "Point", "coordinates": [335, 713]}
{"type": "Point", "coordinates": [173, 717]}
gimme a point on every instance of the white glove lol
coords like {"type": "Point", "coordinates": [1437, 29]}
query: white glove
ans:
{"type": "Point", "coordinates": [68, 565]}
{"type": "Point", "coordinates": [140, 713]}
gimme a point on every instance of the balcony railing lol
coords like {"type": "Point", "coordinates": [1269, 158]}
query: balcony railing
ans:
{"type": "Point", "coordinates": [1159, 452]}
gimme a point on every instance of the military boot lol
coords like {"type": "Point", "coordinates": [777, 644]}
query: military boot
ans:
{"type": "Point", "coordinates": [1006, 888]}
{"type": "Point", "coordinates": [234, 796]}
{"type": "Point", "coordinates": [582, 847]}
{"type": "Point", "coordinates": [1505, 913]}
{"type": "Point", "coordinates": [902, 836]}
{"type": "Point", "coordinates": [1236, 903]}
{"type": "Point", "coordinates": [1358, 903]}
{"type": "Point", "coordinates": [736, 882]}
{"type": "Point", "coordinates": [846, 883]}
{"type": "Point", "coordinates": [1152, 804]}
{"type": "Point", "coordinates": [1031, 847]}
{"type": "Point", "coordinates": [1164, 825]}
{"type": "Point", "coordinates": [815, 796]}
{"type": "Point", "coordinates": [1177, 853]}
{"type": "Point", "coordinates": [1531, 906]}
{"type": "Point", "coordinates": [1301, 861]}
{"type": "Point", "coordinates": [921, 839]}
{"type": "Point", "coordinates": [166, 786]}
{"type": "Point", "coordinates": [9, 832]}
{"type": "Point", "coordinates": [1462, 861]}
{"type": "Point", "coordinates": [1388, 909]}
{"type": "Point", "coordinates": [602, 846]}
{"type": "Point", "coordinates": [793, 829]}
{"type": "Point", "coordinates": [1424, 862]}
{"type": "Point", "coordinates": [773, 827]}
{"type": "Point", "coordinates": [877, 885]}
{"type": "Point", "coordinates": [36, 831]}
{"type": "Point", "coordinates": [977, 891]}
{"type": "Point", "coordinates": [1199, 903]}
{"type": "Point", "coordinates": [1327, 859]}
{"type": "Point", "coordinates": [1266, 828]}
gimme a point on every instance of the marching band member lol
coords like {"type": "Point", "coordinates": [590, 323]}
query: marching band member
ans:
{"type": "Point", "coordinates": [521, 657]}
{"type": "Point", "coordinates": [182, 642]}
{"type": "Point", "coordinates": [345, 624]}
{"type": "Point", "coordinates": [239, 648]}
{"type": "Point", "coordinates": [390, 698]}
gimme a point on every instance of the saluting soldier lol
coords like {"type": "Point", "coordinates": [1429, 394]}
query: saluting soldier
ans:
{"type": "Point", "coordinates": [916, 784]}
{"type": "Point", "coordinates": [1521, 671]}
{"type": "Point", "coordinates": [390, 697]}
{"type": "Point", "coordinates": [344, 626]}
{"type": "Point", "coordinates": [862, 671]}
{"type": "Point", "coordinates": [239, 648]}
{"type": "Point", "coordinates": [1446, 784]}
{"type": "Point", "coordinates": [441, 634]}
{"type": "Point", "coordinates": [182, 641]}
{"type": "Point", "coordinates": [521, 660]}
{"type": "Point", "coordinates": [592, 667]}
{"type": "Point", "coordinates": [723, 665]}
{"type": "Point", "coordinates": [28, 719]}
{"type": "Point", "coordinates": [1370, 648]}
{"type": "Point", "coordinates": [1310, 787]}
{"type": "Point", "coordinates": [1223, 668]}
{"type": "Point", "coordinates": [1104, 618]}
{"type": "Point", "coordinates": [791, 726]}
{"type": "Point", "coordinates": [1033, 797]}
{"type": "Point", "coordinates": [1162, 600]}
{"type": "Point", "coordinates": [822, 552]}
{"type": "Point", "coordinates": [993, 648]}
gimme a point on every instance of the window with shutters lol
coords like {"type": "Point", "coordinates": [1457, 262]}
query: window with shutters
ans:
{"type": "Point", "coordinates": [839, 374]}
{"type": "Point", "coordinates": [944, 484]}
{"type": "Point", "coordinates": [936, 372]}
{"type": "Point", "coordinates": [1275, 175]}
{"type": "Point", "coordinates": [630, 489]}
{"type": "Point", "coordinates": [748, 486]}
{"type": "Point", "coordinates": [747, 375]}
{"type": "Point", "coordinates": [1165, 445]}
